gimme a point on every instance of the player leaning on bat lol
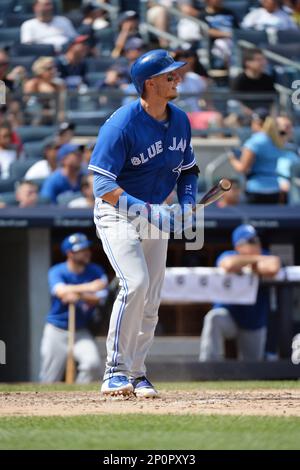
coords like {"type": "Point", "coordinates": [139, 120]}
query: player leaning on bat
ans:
{"type": "Point", "coordinates": [143, 150]}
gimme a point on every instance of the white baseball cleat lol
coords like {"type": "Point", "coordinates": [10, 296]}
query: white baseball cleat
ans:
{"type": "Point", "coordinates": [143, 388]}
{"type": "Point", "coordinates": [117, 385]}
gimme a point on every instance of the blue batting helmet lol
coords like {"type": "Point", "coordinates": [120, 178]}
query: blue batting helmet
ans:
{"type": "Point", "coordinates": [75, 242]}
{"type": "Point", "coordinates": [150, 65]}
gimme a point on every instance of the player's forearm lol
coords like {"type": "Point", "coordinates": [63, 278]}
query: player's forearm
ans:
{"type": "Point", "coordinates": [237, 262]}
{"type": "Point", "coordinates": [90, 298]}
{"type": "Point", "coordinates": [87, 287]}
{"type": "Point", "coordinates": [268, 266]}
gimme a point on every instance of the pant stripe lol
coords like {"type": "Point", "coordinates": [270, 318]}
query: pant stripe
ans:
{"type": "Point", "coordinates": [123, 303]}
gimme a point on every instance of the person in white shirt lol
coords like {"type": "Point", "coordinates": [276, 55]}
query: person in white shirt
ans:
{"type": "Point", "coordinates": [46, 28]}
{"type": "Point", "coordinates": [269, 17]}
{"type": "Point", "coordinates": [43, 168]}
{"type": "Point", "coordinates": [8, 152]}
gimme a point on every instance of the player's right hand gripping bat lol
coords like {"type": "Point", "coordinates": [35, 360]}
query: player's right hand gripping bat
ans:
{"type": "Point", "coordinates": [216, 192]}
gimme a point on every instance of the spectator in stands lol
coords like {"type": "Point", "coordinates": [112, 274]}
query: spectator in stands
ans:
{"type": "Point", "coordinates": [253, 79]}
{"type": "Point", "coordinates": [187, 29]}
{"type": "Point", "coordinates": [44, 167]}
{"type": "Point", "coordinates": [27, 194]}
{"type": "Point", "coordinates": [191, 82]}
{"type": "Point", "coordinates": [12, 78]}
{"type": "Point", "coordinates": [67, 178]}
{"type": "Point", "coordinates": [45, 82]}
{"type": "Point", "coordinates": [87, 153]}
{"type": "Point", "coordinates": [134, 47]}
{"type": "Point", "coordinates": [72, 66]}
{"type": "Point", "coordinates": [83, 283]}
{"type": "Point", "coordinates": [289, 155]}
{"type": "Point", "coordinates": [87, 199]}
{"type": "Point", "coordinates": [8, 152]}
{"type": "Point", "coordinates": [221, 22]}
{"type": "Point", "coordinates": [128, 27]}
{"type": "Point", "coordinates": [47, 28]}
{"type": "Point", "coordinates": [295, 6]}
{"type": "Point", "coordinates": [246, 323]}
{"type": "Point", "coordinates": [270, 17]}
{"type": "Point", "coordinates": [258, 160]}
{"type": "Point", "coordinates": [66, 132]}
{"type": "Point", "coordinates": [157, 15]}
{"type": "Point", "coordinates": [233, 196]}
{"type": "Point", "coordinates": [94, 16]}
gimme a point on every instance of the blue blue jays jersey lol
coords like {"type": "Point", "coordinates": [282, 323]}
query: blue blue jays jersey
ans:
{"type": "Point", "coordinates": [141, 154]}
{"type": "Point", "coordinates": [60, 274]}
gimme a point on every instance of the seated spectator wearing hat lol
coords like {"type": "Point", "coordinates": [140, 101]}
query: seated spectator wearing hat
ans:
{"type": "Point", "coordinates": [245, 323]}
{"type": "Point", "coordinates": [43, 168]}
{"type": "Point", "coordinates": [133, 49]}
{"type": "Point", "coordinates": [128, 27]}
{"type": "Point", "coordinates": [94, 16]}
{"type": "Point", "coordinates": [47, 28]}
{"type": "Point", "coordinates": [72, 66]}
{"type": "Point", "coordinates": [67, 178]}
{"type": "Point", "coordinates": [66, 132]}
{"type": "Point", "coordinates": [258, 160]}
{"type": "Point", "coordinates": [253, 79]}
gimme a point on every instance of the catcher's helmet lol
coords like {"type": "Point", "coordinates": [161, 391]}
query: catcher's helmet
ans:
{"type": "Point", "coordinates": [149, 65]}
{"type": "Point", "coordinates": [75, 242]}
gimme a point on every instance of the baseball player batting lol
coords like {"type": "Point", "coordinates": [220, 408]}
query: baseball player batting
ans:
{"type": "Point", "coordinates": [143, 151]}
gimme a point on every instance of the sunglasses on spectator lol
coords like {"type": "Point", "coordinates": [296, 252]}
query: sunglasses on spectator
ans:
{"type": "Point", "coordinates": [50, 67]}
{"type": "Point", "coordinates": [283, 132]}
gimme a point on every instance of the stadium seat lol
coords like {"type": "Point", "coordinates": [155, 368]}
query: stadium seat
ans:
{"type": "Point", "coordinates": [25, 6]}
{"type": "Point", "coordinates": [9, 36]}
{"type": "Point", "coordinates": [32, 133]}
{"type": "Point", "coordinates": [36, 50]}
{"type": "Point", "coordinates": [288, 36]}
{"type": "Point", "coordinates": [87, 130]}
{"type": "Point", "coordinates": [105, 39]}
{"type": "Point", "coordinates": [240, 8]}
{"type": "Point", "coordinates": [291, 51]}
{"type": "Point", "coordinates": [18, 168]}
{"type": "Point", "coordinates": [26, 62]}
{"type": "Point", "coordinates": [66, 197]}
{"type": "Point", "coordinates": [294, 195]}
{"type": "Point", "coordinates": [14, 20]}
{"type": "Point", "coordinates": [7, 185]}
{"type": "Point", "coordinates": [255, 37]}
{"type": "Point", "coordinates": [93, 78]}
{"type": "Point", "coordinates": [8, 198]}
{"type": "Point", "coordinates": [100, 64]}
{"type": "Point", "coordinates": [34, 149]}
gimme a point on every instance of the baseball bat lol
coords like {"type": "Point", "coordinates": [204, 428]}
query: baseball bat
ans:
{"type": "Point", "coordinates": [216, 192]}
{"type": "Point", "coordinates": [70, 366]}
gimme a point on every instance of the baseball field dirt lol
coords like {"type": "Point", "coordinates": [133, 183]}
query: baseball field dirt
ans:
{"type": "Point", "coordinates": [214, 415]}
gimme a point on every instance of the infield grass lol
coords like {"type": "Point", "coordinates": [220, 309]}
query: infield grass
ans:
{"type": "Point", "coordinates": [149, 432]}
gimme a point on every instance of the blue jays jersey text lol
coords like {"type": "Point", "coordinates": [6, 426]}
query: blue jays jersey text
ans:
{"type": "Point", "coordinates": [141, 154]}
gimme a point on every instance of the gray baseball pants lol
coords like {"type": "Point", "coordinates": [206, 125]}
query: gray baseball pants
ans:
{"type": "Point", "coordinates": [219, 325]}
{"type": "Point", "coordinates": [54, 350]}
{"type": "Point", "coordinates": [139, 263]}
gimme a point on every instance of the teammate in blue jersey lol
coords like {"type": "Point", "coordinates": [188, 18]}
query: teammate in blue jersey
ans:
{"type": "Point", "coordinates": [83, 283]}
{"type": "Point", "coordinates": [143, 151]}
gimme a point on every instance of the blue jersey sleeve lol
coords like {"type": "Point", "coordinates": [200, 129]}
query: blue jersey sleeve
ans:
{"type": "Point", "coordinates": [189, 156]}
{"type": "Point", "coordinates": [109, 154]}
{"type": "Point", "coordinates": [55, 277]}
{"type": "Point", "coordinates": [49, 190]}
{"type": "Point", "coordinates": [224, 255]}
